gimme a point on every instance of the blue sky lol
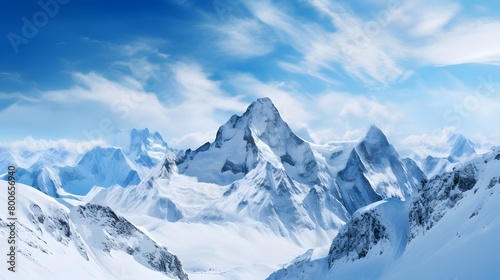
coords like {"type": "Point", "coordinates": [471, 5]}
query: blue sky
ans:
{"type": "Point", "coordinates": [83, 70]}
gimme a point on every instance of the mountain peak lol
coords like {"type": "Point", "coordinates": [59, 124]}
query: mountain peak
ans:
{"type": "Point", "coordinates": [462, 147]}
{"type": "Point", "coordinates": [264, 101]}
{"type": "Point", "coordinates": [146, 148]}
{"type": "Point", "coordinates": [456, 137]}
{"type": "Point", "coordinates": [261, 116]}
{"type": "Point", "coordinates": [259, 135]}
{"type": "Point", "coordinates": [375, 136]}
{"type": "Point", "coordinates": [135, 131]}
{"type": "Point", "coordinates": [262, 109]}
{"type": "Point", "coordinates": [142, 136]}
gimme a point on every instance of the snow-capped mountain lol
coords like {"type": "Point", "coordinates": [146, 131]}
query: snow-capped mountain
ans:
{"type": "Point", "coordinates": [95, 242]}
{"type": "Point", "coordinates": [458, 149]}
{"type": "Point", "coordinates": [273, 175]}
{"type": "Point", "coordinates": [449, 225]}
{"type": "Point", "coordinates": [37, 157]}
{"type": "Point", "coordinates": [374, 171]}
{"type": "Point", "coordinates": [43, 173]}
{"type": "Point", "coordinates": [259, 135]}
{"type": "Point", "coordinates": [6, 158]}
{"type": "Point", "coordinates": [146, 149]}
{"type": "Point", "coordinates": [268, 174]}
{"type": "Point", "coordinates": [110, 233]}
{"type": "Point", "coordinates": [461, 148]}
{"type": "Point", "coordinates": [100, 166]}
{"type": "Point", "coordinates": [58, 173]}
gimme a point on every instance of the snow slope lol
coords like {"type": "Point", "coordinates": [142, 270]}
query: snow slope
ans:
{"type": "Point", "coordinates": [462, 226]}
{"type": "Point", "coordinates": [144, 198]}
{"type": "Point", "coordinates": [269, 195]}
{"type": "Point", "coordinates": [86, 242]}
{"type": "Point", "coordinates": [209, 234]}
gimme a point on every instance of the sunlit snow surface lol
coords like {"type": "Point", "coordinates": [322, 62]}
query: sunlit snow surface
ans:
{"type": "Point", "coordinates": [55, 242]}
{"type": "Point", "coordinates": [222, 246]}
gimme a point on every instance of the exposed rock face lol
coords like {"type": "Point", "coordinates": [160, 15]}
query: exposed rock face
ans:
{"type": "Point", "coordinates": [438, 196]}
{"type": "Point", "coordinates": [354, 241]}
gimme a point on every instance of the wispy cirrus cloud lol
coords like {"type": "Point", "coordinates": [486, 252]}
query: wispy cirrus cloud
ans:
{"type": "Point", "coordinates": [243, 38]}
{"type": "Point", "coordinates": [423, 18]}
{"type": "Point", "coordinates": [372, 59]}
{"type": "Point", "coordinates": [323, 117]}
{"type": "Point", "coordinates": [469, 42]}
{"type": "Point", "coordinates": [383, 48]}
{"type": "Point", "coordinates": [11, 76]}
{"type": "Point", "coordinates": [116, 106]}
{"type": "Point", "coordinates": [201, 108]}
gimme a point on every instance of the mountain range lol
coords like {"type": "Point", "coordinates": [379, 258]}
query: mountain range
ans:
{"type": "Point", "coordinates": [354, 207]}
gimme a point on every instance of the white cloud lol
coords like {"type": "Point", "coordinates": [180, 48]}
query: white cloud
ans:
{"type": "Point", "coordinates": [243, 38]}
{"type": "Point", "coordinates": [33, 145]}
{"type": "Point", "coordinates": [323, 117]}
{"type": "Point", "coordinates": [203, 107]}
{"type": "Point", "coordinates": [95, 108]}
{"type": "Point", "coordinates": [471, 42]}
{"type": "Point", "coordinates": [143, 70]}
{"type": "Point", "coordinates": [291, 105]}
{"type": "Point", "coordinates": [436, 139]}
{"type": "Point", "coordinates": [419, 146]}
{"type": "Point", "coordinates": [424, 18]}
{"type": "Point", "coordinates": [10, 76]}
{"type": "Point", "coordinates": [341, 116]}
{"type": "Point", "coordinates": [192, 140]}
{"type": "Point", "coordinates": [377, 49]}
{"type": "Point", "coordinates": [364, 53]}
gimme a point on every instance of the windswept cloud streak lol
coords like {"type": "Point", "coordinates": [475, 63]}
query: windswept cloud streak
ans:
{"type": "Point", "coordinates": [243, 38]}
{"type": "Point", "coordinates": [361, 49]}
{"type": "Point", "coordinates": [472, 42]}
